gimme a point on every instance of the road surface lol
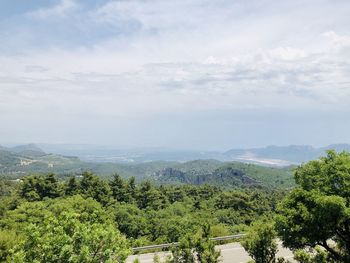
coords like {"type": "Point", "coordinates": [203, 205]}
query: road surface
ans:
{"type": "Point", "coordinates": [230, 253]}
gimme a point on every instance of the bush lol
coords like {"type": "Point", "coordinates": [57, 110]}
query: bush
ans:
{"type": "Point", "coordinates": [260, 242]}
{"type": "Point", "coordinates": [8, 240]}
{"type": "Point", "coordinates": [66, 239]}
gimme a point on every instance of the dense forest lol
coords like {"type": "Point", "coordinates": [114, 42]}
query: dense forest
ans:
{"type": "Point", "coordinates": [145, 213]}
{"type": "Point", "coordinates": [85, 218]}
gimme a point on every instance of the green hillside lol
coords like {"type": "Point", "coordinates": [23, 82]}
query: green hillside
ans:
{"type": "Point", "coordinates": [233, 174]}
{"type": "Point", "coordinates": [28, 160]}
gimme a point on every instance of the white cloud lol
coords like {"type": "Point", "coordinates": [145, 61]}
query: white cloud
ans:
{"type": "Point", "coordinates": [273, 78]}
{"type": "Point", "coordinates": [129, 58]}
{"type": "Point", "coordinates": [58, 10]}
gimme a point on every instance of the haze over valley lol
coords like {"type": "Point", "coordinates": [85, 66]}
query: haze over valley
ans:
{"type": "Point", "coordinates": [270, 166]}
{"type": "Point", "coordinates": [270, 155]}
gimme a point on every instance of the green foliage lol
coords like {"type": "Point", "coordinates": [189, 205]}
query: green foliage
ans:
{"type": "Point", "coordinates": [37, 187]}
{"type": "Point", "coordinates": [64, 230]}
{"type": "Point", "coordinates": [228, 174]}
{"type": "Point", "coordinates": [156, 258]}
{"type": "Point", "coordinates": [319, 256]}
{"type": "Point", "coordinates": [6, 187]}
{"type": "Point", "coordinates": [205, 248]}
{"type": "Point", "coordinates": [260, 242]}
{"type": "Point", "coordinates": [67, 239]}
{"type": "Point", "coordinates": [131, 220]}
{"type": "Point", "coordinates": [317, 211]}
{"type": "Point", "coordinates": [35, 212]}
{"type": "Point", "coordinates": [145, 213]}
{"type": "Point", "coordinates": [117, 186]}
{"type": "Point", "coordinates": [184, 252]}
{"type": "Point", "coordinates": [72, 186]}
{"type": "Point", "coordinates": [150, 197]}
{"type": "Point", "coordinates": [92, 186]}
{"type": "Point", "coordinates": [84, 218]}
{"type": "Point", "coordinates": [195, 248]}
{"type": "Point", "coordinates": [8, 240]}
{"type": "Point", "coordinates": [233, 174]}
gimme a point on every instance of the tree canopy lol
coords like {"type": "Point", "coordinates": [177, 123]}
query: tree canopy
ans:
{"type": "Point", "coordinates": [39, 210]}
{"type": "Point", "coordinates": [260, 242]}
{"type": "Point", "coordinates": [317, 212]}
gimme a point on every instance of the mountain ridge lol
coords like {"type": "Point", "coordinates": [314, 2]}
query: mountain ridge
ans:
{"type": "Point", "coordinates": [196, 172]}
{"type": "Point", "coordinates": [269, 156]}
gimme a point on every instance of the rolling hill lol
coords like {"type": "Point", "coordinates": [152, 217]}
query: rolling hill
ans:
{"type": "Point", "coordinates": [25, 160]}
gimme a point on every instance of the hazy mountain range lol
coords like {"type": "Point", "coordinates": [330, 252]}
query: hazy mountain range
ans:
{"type": "Point", "coordinates": [19, 161]}
{"type": "Point", "coordinates": [270, 155]}
{"type": "Point", "coordinates": [258, 167]}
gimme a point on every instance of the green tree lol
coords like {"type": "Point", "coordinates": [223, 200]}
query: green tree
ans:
{"type": "Point", "coordinates": [6, 187]}
{"type": "Point", "coordinates": [149, 196]}
{"type": "Point", "coordinates": [51, 187]}
{"type": "Point", "coordinates": [66, 239]}
{"type": "Point", "coordinates": [318, 210]}
{"type": "Point", "coordinates": [92, 186]}
{"type": "Point", "coordinates": [131, 220]}
{"type": "Point", "coordinates": [175, 194]}
{"type": "Point", "coordinates": [31, 188]}
{"type": "Point", "coordinates": [233, 199]}
{"type": "Point", "coordinates": [36, 187]}
{"type": "Point", "coordinates": [131, 190]}
{"type": "Point", "coordinates": [196, 248]}
{"type": "Point", "coordinates": [205, 248]}
{"type": "Point", "coordinates": [319, 256]}
{"type": "Point", "coordinates": [118, 188]}
{"type": "Point", "coordinates": [260, 242]}
{"type": "Point", "coordinates": [8, 240]}
{"type": "Point", "coordinates": [72, 186]}
{"type": "Point", "coordinates": [184, 252]}
{"type": "Point", "coordinates": [72, 229]}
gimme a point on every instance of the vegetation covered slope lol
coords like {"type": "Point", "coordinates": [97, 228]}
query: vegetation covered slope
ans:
{"type": "Point", "coordinates": [46, 219]}
{"type": "Point", "coordinates": [38, 215]}
{"type": "Point", "coordinates": [232, 174]}
{"type": "Point", "coordinates": [19, 162]}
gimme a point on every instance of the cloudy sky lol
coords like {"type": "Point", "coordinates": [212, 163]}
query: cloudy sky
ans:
{"type": "Point", "coordinates": [193, 74]}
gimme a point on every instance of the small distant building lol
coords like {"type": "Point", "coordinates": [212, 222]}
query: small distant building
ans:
{"type": "Point", "coordinates": [26, 162]}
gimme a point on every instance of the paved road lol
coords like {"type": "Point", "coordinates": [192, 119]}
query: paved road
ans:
{"type": "Point", "coordinates": [231, 253]}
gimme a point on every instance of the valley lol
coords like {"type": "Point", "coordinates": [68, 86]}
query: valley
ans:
{"type": "Point", "coordinates": [17, 162]}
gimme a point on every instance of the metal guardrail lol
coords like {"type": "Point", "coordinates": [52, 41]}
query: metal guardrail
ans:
{"type": "Point", "coordinates": [227, 237]}
{"type": "Point", "coordinates": [136, 249]}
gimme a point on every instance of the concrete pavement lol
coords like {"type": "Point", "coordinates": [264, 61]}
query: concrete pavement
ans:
{"type": "Point", "coordinates": [230, 253]}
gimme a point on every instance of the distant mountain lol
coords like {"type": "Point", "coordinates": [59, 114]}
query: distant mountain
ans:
{"type": "Point", "coordinates": [25, 159]}
{"type": "Point", "coordinates": [8, 158]}
{"type": "Point", "coordinates": [234, 168]}
{"type": "Point", "coordinates": [282, 155]}
{"type": "Point", "coordinates": [19, 161]}
{"type": "Point", "coordinates": [26, 147]}
{"type": "Point", "coordinates": [337, 147]}
{"type": "Point", "coordinates": [92, 153]}
{"type": "Point", "coordinates": [29, 150]}
{"type": "Point", "coordinates": [274, 156]}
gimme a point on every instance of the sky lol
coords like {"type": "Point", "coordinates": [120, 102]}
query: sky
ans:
{"type": "Point", "coordinates": [189, 74]}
